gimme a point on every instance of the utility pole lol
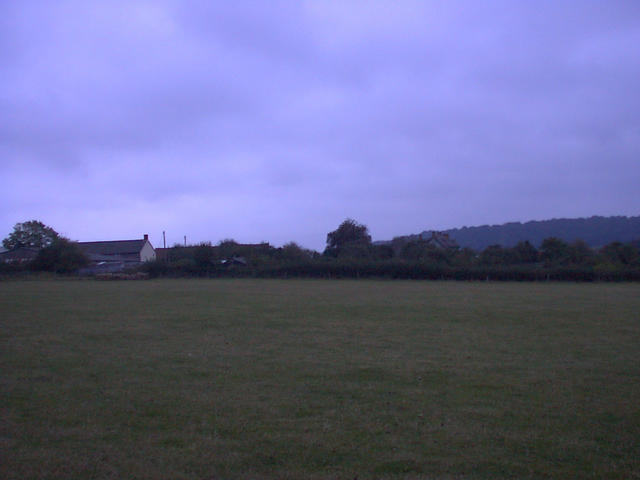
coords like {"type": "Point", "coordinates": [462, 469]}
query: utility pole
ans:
{"type": "Point", "coordinates": [164, 240]}
{"type": "Point", "coordinates": [185, 240]}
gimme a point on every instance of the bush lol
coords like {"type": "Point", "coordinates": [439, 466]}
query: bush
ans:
{"type": "Point", "coordinates": [62, 256]}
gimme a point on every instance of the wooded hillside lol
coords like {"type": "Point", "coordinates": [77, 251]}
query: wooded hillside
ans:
{"type": "Point", "coordinates": [595, 231]}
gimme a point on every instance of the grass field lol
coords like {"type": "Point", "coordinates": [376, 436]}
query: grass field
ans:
{"type": "Point", "coordinates": [224, 379]}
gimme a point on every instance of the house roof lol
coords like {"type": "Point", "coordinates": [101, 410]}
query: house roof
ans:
{"type": "Point", "coordinates": [19, 254]}
{"type": "Point", "coordinates": [439, 239]}
{"type": "Point", "coordinates": [114, 247]}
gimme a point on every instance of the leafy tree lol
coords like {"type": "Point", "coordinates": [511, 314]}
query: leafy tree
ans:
{"type": "Point", "coordinates": [496, 255]}
{"type": "Point", "coordinates": [355, 250]}
{"type": "Point", "coordinates": [465, 257]}
{"type": "Point", "coordinates": [439, 255]}
{"type": "Point", "coordinates": [292, 252]}
{"type": "Point", "coordinates": [61, 256]}
{"type": "Point", "coordinates": [423, 251]}
{"type": "Point", "coordinates": [178, 252]}
{"type": "Point", "coordinates": [398, 243]}
{"type": "Point", "coordinates": [413, 251]}
{"type": "Point", "coordinates": [228, 248]}
{"type": "Point", "coordinates": [525, 252]}
{"type": "Point", "coordinates": [203, 254]}
{"type": "Point", "coordinates": [382, 252]}
{"type": "Point", "coordinates": [554, 251]}
{"type": "Point", "coordinates": [580, 253]}
{"type": "Point", "coordinates": [33, 233]}
{"type": "Point", "coordinates": [619, 253]}
{"type": "Point", "coordinates": [351, 239]}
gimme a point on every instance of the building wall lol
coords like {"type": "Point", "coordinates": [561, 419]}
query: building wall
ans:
{"type": "Point", "coordinates": [147, 253]}
{"type": "Point", "coordinates": [18, 255]}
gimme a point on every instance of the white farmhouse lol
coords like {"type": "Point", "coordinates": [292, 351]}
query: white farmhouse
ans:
{"type": "Point", "coordinates": [121, 251]}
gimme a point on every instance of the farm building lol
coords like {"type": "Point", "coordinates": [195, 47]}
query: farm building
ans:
{"type": "Point", "coordinates": [18, 255]}
{"type": "Point", "coordinates": [119, 251]}
{"type": "Point", "coordinates": [439, 240]}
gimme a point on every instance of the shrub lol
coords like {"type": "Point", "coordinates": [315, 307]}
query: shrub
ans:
{"type": "Point", "coordinates": [62, 256]}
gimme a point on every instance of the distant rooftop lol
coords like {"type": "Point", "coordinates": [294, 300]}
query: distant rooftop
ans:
{"type": "Point", "coordinates": [113, 247]}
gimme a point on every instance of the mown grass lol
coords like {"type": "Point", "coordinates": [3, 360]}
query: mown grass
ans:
{"type": "Point", "coordinates": [217, 379]}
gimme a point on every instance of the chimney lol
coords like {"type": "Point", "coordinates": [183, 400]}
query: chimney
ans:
{"type": "Point", "coordinates": [146, 237]}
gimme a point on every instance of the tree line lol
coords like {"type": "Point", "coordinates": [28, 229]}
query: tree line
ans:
{"type": "Point", "coordinates": [350, 253]}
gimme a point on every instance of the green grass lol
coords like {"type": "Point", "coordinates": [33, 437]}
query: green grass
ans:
{"type": "Point", "coordinates": [224, 379]}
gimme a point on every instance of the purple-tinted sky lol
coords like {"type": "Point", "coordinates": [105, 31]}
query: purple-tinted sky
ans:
{"type": "Point", "coordinates": [275, 121]}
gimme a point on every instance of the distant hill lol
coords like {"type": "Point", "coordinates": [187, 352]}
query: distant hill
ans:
{"type": "Point", "coordinates": [595, 231]}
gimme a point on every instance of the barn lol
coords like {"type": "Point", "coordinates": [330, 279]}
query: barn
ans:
{"type": "Point", "coordinates": [119, 252]}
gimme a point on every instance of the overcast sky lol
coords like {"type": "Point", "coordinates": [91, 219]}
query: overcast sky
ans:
{"type": "Point", "coordinates": [275, 121]}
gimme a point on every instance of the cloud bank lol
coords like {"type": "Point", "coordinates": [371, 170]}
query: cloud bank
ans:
{"type": "Point", "coordinates": [276, 120]}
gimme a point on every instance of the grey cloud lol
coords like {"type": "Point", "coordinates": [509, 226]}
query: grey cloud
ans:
{"type": "Point", "coordinates": [279, 119]}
